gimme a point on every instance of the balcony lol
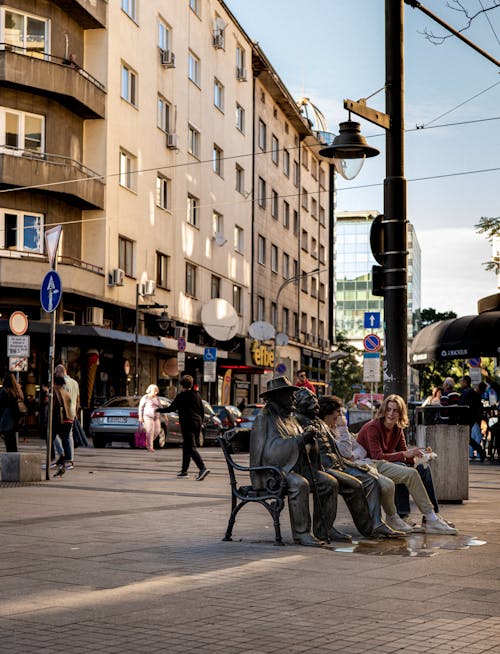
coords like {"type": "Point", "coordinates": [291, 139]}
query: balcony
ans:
{"type": "Point", "coordinates": [50, 76]}
{"type": "Point", "coordinates": [51, 174]}
{"type": "Point", "coordinates": [90, 14]}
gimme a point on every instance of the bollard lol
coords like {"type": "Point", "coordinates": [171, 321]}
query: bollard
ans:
{"type": "Point", "coordinates": [17, 466]}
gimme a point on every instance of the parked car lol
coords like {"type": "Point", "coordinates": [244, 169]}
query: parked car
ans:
{"type": "Point", "coordinates": [248, 415]}
{"type": "Point", "coordinates": [229, 415]}
{"type": "Point", "coordinates": [118, 419]}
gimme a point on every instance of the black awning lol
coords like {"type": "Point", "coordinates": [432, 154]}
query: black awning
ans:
{"type": "Point", "coordinates": [459, 338]}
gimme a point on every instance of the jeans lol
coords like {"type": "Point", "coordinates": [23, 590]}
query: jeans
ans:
{"type": "Point", "coordinates": [58, 446]}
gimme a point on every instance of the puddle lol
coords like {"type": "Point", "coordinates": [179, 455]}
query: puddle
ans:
{"type": "Point", "coordinates": [415, 545]}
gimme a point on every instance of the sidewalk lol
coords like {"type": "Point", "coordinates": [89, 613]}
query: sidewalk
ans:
{"type": "Point", "coordinates": [121, 556]}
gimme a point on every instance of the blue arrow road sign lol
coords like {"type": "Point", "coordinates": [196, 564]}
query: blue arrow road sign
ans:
{"type": "Point", "coordinates": [51, 291]}
{"type": "Point", "coordinates": [371, 343]}
{"type": "Point", "coordinates": [210, 354]}
{"type": "Point", "coordinates": [372, 320]}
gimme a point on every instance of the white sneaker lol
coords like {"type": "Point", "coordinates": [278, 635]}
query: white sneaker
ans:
{"type": "Point", "coordinates": [395, 522]}
{"type": "Point", "coordinates": [439, 526]}
{"type": "Point", "coordinates": [415, 527]}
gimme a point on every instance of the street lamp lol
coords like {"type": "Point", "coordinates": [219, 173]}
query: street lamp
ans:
{"type": "Point", "coordinates": [290, 280]}
{"type": "Point", "coordinates": [164, 322]}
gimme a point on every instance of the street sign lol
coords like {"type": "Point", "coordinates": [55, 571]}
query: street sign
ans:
{"type": "Point", "coordinates": [210, 354]}
{"type": "Point", "coordinates": [18, 346]}
{"type": "Point", "coordinates": [51, 291]}
{"type": "Point", "coordinates": [52, 237]}
{"type": "Point", "coordinates": [371, 343]}
{"type": "Point", "coordinates": [281, 368]}
{"type": "Point", "coordinates": [18, 364]}
{"type": "Point", "coordinates": [475, 363]}
{"type": "Point", "coordinates": [181, 361]}
{"type": "Point", "coordinates": [476, 375]}
{"type": "Point", "coordinates": [181, 344]}
{"type": "Point", "coordinates": [18, 323]}
{"type": "Point", "coordinates": [209, 371]}
{"type": "Point", "coordinates": [371, 368]}
{"type": "Point", "coordinates": [371, 320]}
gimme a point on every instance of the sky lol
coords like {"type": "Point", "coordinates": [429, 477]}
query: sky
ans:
{"type": "Point", "coordinates": [329, 50]}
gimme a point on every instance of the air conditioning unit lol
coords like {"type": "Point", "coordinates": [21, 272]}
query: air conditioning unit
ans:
{"type": "Point", "coordinates": [241, 74]}
{"type": "Point", "coordinates": [94, 316]}
{"type": "Point", "coordinates": [167, 58]}
{"type": "Point", "coordinates": [69, 318]}
{"type": "Point", "coordinates": [148, 287]}
{"type": "Point", "coordinates": [181, 332]}
{"type": "Point", "coordinates": [218, 39]}
{"type": "Point", "coordinates": [116, 277]}
{"type": "Point", "coordinates": [172, 142]}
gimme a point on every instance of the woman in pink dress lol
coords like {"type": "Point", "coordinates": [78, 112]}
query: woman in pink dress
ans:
{"type": "Point", "coordinates": [148, 416]}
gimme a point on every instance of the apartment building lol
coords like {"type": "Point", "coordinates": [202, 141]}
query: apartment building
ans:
{"type": "Point", "coordinates": [132, 124]}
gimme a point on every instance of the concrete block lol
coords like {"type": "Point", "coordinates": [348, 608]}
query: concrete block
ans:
{"type": "Point", "coordinates": [19, 466]}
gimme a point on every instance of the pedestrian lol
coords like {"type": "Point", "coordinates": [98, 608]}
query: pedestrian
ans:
{"type": "Point", "coordinates": [302, 381]}
{"type": "Point", "coordinates": [73, 389]}
{"type": "Point", "coordinates": [10, 415]}
{"type": "Point", "coordinates": [472, 399]}
{"type": "Point", "coordinates": [149, 418]}
{"type": "Point", "coordinates": [242, 405]}
{"type": "Point", "coordinates": [62, 421]}
{"type": "Point", "coordinates": [189, 406]}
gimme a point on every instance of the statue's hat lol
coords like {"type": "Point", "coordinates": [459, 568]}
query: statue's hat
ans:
{"type": "Point", "coordinates": [279, 384]}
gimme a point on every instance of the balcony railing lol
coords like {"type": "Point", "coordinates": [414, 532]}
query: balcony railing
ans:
{"type": "Point", "coordinates": [12, 253]}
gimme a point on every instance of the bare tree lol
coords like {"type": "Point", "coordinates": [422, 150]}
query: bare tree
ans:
{"type": "Point", "coordinates": [468, 17]}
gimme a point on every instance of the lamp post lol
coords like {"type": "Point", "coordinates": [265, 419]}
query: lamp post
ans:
{"type": "Point", "coordinates": [290, 280]}
{"type": "Point", "coordinates": [163, 321]}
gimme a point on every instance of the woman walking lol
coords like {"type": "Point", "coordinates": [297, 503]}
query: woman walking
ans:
{"type": "Point", "coordinates": [10, 395]}
{"type": "Point", "coordinates": [148, 415]}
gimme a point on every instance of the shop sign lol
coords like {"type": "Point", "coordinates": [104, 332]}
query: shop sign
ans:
{"type": "Point", "coordinates": [261, 355]}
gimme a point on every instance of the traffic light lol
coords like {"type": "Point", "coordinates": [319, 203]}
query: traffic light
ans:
{"type": "Point", "coordinates": [377, 248]}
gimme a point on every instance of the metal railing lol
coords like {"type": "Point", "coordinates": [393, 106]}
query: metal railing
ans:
{"type": "Point", "coordinates": [59, 61]}
{"type": "Point", "coordinates": [12, 253]}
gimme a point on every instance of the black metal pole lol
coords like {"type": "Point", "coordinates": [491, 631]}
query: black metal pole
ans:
{"type": "Point", "coordinates": [395, 221]}
{"type": "Point", "coordinates": [331, 255]}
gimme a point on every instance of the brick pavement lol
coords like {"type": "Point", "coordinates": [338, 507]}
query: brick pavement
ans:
{"type": "Point", "coordinates": [120, 556]}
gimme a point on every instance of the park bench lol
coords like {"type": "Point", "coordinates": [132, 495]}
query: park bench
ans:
{"type": "Point", "coordinates": [236, 441]}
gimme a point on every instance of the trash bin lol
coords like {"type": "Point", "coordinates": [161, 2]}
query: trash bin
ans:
{"type": "Point", "coordinates": [446, 431]}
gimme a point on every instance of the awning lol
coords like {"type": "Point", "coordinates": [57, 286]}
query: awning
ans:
{"type": "Point", "coordinates": [458, 338]}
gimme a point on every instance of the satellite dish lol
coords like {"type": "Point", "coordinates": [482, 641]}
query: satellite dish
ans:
{"type": "Point", "coordinates": [261, 330]}
{"type": "Point", "coordinates": [220, 239]}
{"type": "Point", "coordinates": [219, 24]}
{"type": "Point", "coordinates": [281, 339]}
{"type": "Point", "coordinates": [219, 319]}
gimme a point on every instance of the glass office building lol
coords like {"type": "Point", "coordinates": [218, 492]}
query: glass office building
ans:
{"type": "Point", "coordinates": [353, 275]}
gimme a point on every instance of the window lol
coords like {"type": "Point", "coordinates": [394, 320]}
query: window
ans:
{"type": "Point", "coordinates": [240, 118]}
{"type": "Point", "coordinates": [262, 134]}
{"type": "Point", "coordinates": [240, 179]}
{"type": "Point", "coordinates": [274, 258]}
{"type": "Point", "coordinates": [322, 292]}
{"type": "Point", "coordinates": [129, 85]}
{"type": "Point", "coordinates": [193, 141]}
{"type": "Point", "coordinates": [261, 308]}
{"type": "Point", "coordinates": [261, 250]}
{"type": "Point", "coordinates": [286, 163]}
{"type": "Point", "coordinates": [22, 130]}
{"type": "Point", "coordinates": [322, 178]}
{"type": "Point", "coordinates": [127, 171]}
{"type": "Point", "coordinates": [164, 36]}
{"type": "Point", "coordinates": [239, 243]}
{"type": "Point", "coordinates": [286, 215]}
{"type": "Point", "coordinates": [304, 282]}
{"type": "Point", "coordinates": [126, 255]}
{"type": "Point", "coordinates": [217, 159]}
{"type": "Point", "coordinates": [295, 222]}
{"type": "Point", "coordinates": [193, 209]}
{"type": "Point", "coordinates": [218, 95]}
{"type": "Point", "coordinates": [305, 199]}
{"type": "Point", "coordinates": [295, 269]}
{"type": "Point", "coordinates": [314, 287]}
{"type": "Point", "coordinates": [129, 8]}
{"type": "Point", "coordinates": [274, 204]}
{"type": "Point", "coordinates": [26, 32]}
{"type": "Point", "coordinates": [322, 253]}
{"type": "Point", "coordinates": [162, 270]}
{"type": "Point", "coordinates": [322, 220]}
{"type": "Point", "coordinates": [21, 230]}
{"type": "Point", "coordinates": [261, 195]}
{"type": "Point", "coordinates": [215, 283]}
{"type": "Point", "coordinates": [194, 68]}
{"type": "Point", "coordinates": [217, 222]}
{"type": "Point", "coordinates": [305, 159]}
{"type": "Point", "coordinates": [237, 299]}
{"type": "Point", "coordinates": [191, 280]}
{"type": "Point", "coordinates": [163, 114]}
{"type": "Point", "coordinates": [195, 6]}
{"type": "Point", "coordinates": [162, 192]}
{"type": "Point", "coordinates": [314, 168]}
{"type": "Point", "coordinates": [285, 325]}
{"type": "Point", "coordinates": [286, 265]}
{"type": "Point", "coordinates": [275, 150]}
{"type": "Point", "coordinates": [296, 173]}
{"type": "Point", "coordinates": [303, 323]}
{"type": "Point", "coordinates": [314, 207]}
{"type": "Point", "coordinates": [314, 247]}
{"type": "Point", "coordinates": [240, 62]}
{"type": "Point", "coordinates": [274, 315]}
{"type": "Point", "coordinates": [304, 241]}
{"type": "Point", "coordinates": [295, 324]}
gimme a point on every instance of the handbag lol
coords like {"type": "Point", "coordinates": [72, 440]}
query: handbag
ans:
{"type": "Point", "coordinates": [140, 439]}
{"type": "Point", "coordinates": [22, 408]}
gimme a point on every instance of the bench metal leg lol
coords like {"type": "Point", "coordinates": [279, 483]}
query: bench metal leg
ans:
{"type": "Point", "coordinates": [232, 520]}
{"type": "Point", "coordinates": [275, 509]}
